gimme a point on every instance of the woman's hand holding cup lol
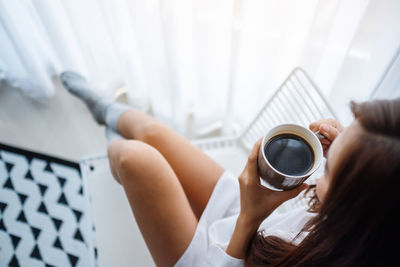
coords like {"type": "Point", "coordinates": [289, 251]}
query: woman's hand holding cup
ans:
{"type": "Point", "coordinates": [256, 203]}
{"type": "Point", "coordinates": [256, 200]}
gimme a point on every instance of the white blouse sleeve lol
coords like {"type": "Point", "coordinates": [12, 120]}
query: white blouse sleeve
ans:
{"type": "Point", "coordinates": [217, 257]}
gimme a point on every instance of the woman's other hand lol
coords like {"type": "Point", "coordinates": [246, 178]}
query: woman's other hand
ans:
{"type": "Point", "coordinates": [330, 128]}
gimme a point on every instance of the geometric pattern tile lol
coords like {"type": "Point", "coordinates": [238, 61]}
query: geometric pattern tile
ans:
{"type": "Point", "coordinates": [45, 212]}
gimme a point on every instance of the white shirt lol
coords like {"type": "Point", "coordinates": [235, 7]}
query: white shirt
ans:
{"type": "Point", "coordinates": [218, 221]}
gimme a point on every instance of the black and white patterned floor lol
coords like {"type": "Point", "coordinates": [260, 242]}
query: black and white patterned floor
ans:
{"type": "Point", "coordinates": [45, 215]}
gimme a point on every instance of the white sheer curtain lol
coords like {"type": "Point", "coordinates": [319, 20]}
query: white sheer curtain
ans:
{"type": "Point", "coordinates": [198, 62]}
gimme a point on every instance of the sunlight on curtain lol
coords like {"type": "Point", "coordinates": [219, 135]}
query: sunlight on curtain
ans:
{"type": "Point", "coordinates": [196, 63]}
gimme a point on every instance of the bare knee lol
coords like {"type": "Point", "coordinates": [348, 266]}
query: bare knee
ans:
{"type": "Point", "coordinates": [120, 156]}
{"type": "Point", "coordinates": [113, 152]}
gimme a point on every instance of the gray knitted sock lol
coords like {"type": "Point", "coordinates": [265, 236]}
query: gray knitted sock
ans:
{"type": "Point", "coordinates": [113, 113]}
{"type": "Point", "coordinates": [104, 111]}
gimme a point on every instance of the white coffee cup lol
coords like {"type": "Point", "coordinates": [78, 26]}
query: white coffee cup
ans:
{"type": "Point", "coordinates": [276, 180]}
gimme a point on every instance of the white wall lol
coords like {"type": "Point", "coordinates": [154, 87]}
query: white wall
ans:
{"type": "Point", "coordinates": [62, 127]}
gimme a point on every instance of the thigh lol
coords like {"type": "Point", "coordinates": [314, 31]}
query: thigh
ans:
{"type": "Point", "coordinates": [197, 172]}
{"type": "Point", "coordinates": [156, 197]}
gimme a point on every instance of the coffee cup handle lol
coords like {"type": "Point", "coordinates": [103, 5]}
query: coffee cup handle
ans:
{"type": "Point", "coordinates": [319, 135]}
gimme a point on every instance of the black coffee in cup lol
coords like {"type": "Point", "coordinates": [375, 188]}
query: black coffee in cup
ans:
{"type": "Point", "coordinates": [289, 154]}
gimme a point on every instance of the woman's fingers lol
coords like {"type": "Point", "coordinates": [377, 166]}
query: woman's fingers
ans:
{"type": "Point", "coordinates": [325, 141]}
{"type": "Point", "coordinates": [335, 124]}
{"type": "Point", "coordinates": [315, 126]}
{"type": "Point", "coordinates": [329, 131]}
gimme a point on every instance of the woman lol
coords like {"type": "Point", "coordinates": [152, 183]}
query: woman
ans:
{"type": "Point", "coordinates": [190, 212]}
{"type": "Point", "coordinates": [355, 223]}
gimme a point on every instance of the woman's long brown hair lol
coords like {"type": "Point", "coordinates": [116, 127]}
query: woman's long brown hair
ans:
{"type": "Point", "coordinates": [358, 222]}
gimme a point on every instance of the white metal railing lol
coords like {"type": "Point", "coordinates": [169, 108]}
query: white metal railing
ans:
{"type": "Point", "coordinates": [297, 100]}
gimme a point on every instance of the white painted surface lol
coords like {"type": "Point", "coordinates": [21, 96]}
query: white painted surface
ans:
{"type": "Point", "coordinates": [63, 127]}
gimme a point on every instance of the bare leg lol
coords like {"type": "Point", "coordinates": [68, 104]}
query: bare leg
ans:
{"type": "Point", "coordinates": [156, 197]}
{"type": "Point", "coordinates": [148, 172]}
{"type": "Point", "coordinates": [196, 172]}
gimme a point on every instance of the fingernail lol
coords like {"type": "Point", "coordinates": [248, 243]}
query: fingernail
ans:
{"type": "Point", "coordinates": [325, 127]}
